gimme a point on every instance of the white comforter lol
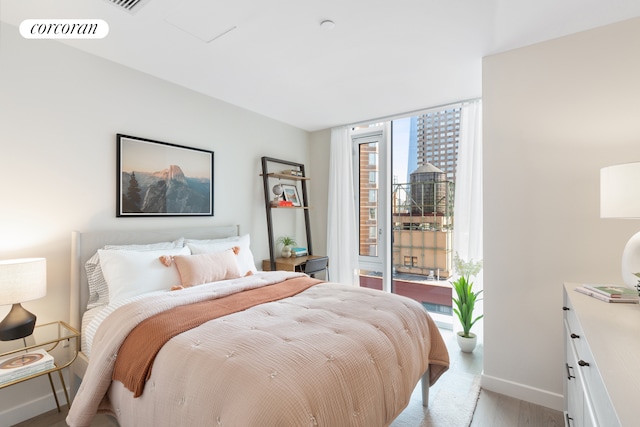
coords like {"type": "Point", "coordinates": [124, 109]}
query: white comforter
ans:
{"type": "Point", "coordinates": [332, 355]}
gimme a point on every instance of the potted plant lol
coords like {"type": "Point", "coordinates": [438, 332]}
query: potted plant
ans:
{"type": "Point", "coordinates": [465, 300]}
{"type": "Point", "coordinates": [286, 243]}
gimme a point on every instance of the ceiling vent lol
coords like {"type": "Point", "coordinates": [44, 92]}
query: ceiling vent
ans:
{"type": "Point", "coordinates": [131, 6]}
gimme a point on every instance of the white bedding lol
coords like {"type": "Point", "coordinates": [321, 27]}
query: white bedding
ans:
{"type": "Point", "coordinates": [334, 331]}
{"type": "Point", "coordinates": [89, 328]}
{"type": "Point", "coordinates": [93, 318]}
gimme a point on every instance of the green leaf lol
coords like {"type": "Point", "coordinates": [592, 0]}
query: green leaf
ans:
{"type": "Point", "coordinates": [464, 297]}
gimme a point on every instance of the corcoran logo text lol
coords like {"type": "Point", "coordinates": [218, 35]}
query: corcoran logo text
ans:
{"type": "Point", "coordinates": [64, 29]}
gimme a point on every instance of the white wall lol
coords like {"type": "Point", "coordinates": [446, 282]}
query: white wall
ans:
{"type": "Point", "coordinates": [554, 114]}
{"type": "Point", "coordinates": [318, 167]}
{"type": "Point", "coordinates": [60, 110]}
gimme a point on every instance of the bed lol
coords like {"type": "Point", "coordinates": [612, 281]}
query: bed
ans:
{"type": "Point", "coordinates": [248, 348]}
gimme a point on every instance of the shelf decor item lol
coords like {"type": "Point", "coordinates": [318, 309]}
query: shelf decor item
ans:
{"type": "Point", "coordinates": [21, 280]}
{"type": "Point", "coordinates": [277, 191]}
{"type": "Point", "coordinates": [465, 299]}
{"type": "Point", "coordinates": [286, 242]}
{"type": "Point", "coordinates": [292, 172]}
{"type": "Point", "coordinates": [296, 252]}
{"type": "Point", "coordinates": [620, 198]}
{"type": "Point", "coordinates": [291, 194]}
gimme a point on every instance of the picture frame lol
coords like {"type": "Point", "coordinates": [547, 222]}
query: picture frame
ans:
{"type": "Point", "coordinates": [290, 193]}
{"type": "Point", "coordinates": [161, 179]}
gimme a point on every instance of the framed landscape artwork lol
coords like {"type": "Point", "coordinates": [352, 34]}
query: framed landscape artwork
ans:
{"type": "Point", "coordinates": [290, 193]}
{"type": "Point", "coordinates": [161, 179]}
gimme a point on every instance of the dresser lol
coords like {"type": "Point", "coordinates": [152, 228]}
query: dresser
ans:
{"type": "Point", "coordinates": [602, 361]}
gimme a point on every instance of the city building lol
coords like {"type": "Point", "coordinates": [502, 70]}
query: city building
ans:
{"type": "Point", "coordinates": [437, 137]}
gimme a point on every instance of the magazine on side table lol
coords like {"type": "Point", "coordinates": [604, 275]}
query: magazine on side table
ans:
{"type": "Point", "coordinates": [21, 365]}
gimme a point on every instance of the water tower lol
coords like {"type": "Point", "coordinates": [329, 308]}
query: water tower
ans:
{"type": "Point", "coordinates": [428, 190]}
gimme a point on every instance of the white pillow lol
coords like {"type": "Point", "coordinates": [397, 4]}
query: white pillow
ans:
{"type": "Point", "coordinates": [98, 289]}
{"type": "Point", "coordinates": [132, 273]}
{"type": "Point", "coordinates": [245, 257]}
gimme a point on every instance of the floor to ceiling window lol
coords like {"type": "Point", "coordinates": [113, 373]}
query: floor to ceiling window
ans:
{"type": "Point", "coordinates": [405, 179]}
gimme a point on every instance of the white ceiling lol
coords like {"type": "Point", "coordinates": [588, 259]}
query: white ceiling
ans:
{"type": "Point", "coordinates": [383, 58]}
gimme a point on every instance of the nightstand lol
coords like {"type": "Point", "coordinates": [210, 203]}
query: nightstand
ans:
{"type": "Point", "coordinates": [59, 339]}
{"type": "Point", "coordinates": [289, 264]}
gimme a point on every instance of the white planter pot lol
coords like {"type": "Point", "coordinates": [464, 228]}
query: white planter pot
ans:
{"type": "Point", "coordinates": [467, 344]}
{"type": "Point", "coordinates": [286, 251]}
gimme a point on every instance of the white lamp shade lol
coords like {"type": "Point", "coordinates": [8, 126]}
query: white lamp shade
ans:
{"type": "Point", "coordinates": [620, 198]}
{"type": "Point", "coordinates": [22, 280]}
{"type": "Point", "coordinates": [620, 191]}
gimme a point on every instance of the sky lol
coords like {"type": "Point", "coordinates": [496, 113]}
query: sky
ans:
{"type": "Point", "coordinates": [152, 157]}
{"type": "Point", "coordinates": [400, 148]}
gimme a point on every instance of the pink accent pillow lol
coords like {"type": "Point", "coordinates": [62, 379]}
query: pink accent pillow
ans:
{"type": "Point", "coordinates": [206, 268]}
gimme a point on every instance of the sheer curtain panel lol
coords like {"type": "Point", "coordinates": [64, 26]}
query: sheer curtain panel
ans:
{"type": "Point", "coordinates": [342, 231]}
{"type": "Point", "coordinates": [467, 234]}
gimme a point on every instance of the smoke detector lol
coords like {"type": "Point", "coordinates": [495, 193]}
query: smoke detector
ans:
{"type": "Point", "coordinates": [327, 24]}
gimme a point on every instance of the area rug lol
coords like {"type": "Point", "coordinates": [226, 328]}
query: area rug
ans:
{"type": "Point", "coordinates": [452, 401]}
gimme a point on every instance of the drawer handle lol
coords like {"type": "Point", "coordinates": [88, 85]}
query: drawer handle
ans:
{"type": "Point", "coordinates": [566, 308]}
{"type": "Point", "coordinates": [569, 376]}
{"type": "Point", "coordinates": [569, 419]}
{"type": "Point", "coordinates": [583, 363]}
{"type": "Point", "coordinates": [574, 336]}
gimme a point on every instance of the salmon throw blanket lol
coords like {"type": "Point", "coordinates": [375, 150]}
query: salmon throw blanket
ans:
{"type": "Point", "coordinates": [136, 356]}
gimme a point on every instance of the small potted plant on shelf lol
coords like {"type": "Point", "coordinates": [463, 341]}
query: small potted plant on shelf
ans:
{"type": "Point", "coordinates": [286, 243]}
{"type": "Point", "coordinates": [465, 299]}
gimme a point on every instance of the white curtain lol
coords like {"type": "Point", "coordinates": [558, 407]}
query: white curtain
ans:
{"type": "Point", "coordinates": [467, 234]}
{"type": "Point", "coordinates": [342, 231]}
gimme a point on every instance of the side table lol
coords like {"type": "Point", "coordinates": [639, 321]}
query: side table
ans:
{"type": "Point", "coordinates": [289, 264]}
{"type": "Point", "coordinates": [58, 339]}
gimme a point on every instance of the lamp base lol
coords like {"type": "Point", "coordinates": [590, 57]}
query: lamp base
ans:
{"type": "Point", "coordinates": [19, 323]}
{"type": "Point", "coordinates": [631, 261]}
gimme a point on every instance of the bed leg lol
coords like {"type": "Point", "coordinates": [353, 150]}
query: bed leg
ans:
{"type": "Point", "coordinates": [425, 388]}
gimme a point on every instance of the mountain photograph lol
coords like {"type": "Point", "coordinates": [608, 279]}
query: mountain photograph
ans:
{"type": "Point", "coordinates": [163, 179]}
{"type": "Point", "coordinates": [164, 192]}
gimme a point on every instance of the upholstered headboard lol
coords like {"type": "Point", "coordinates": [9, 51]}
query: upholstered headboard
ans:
{"type": "Point", "coordinates": [85, 245]}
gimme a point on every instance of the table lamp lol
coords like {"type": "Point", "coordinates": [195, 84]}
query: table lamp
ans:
{"type": "Point", "coordinates": [21, 280]}
{"type": "Point", "coordinates": [620, 198]}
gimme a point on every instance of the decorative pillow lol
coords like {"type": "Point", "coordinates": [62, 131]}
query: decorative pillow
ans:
{"type": "Point", "coordinates": [206, 268]}
{"type": "Point", "coordinates": [98, 290]}
{"type": "Point", "coordinates": [132, 273]}
{"type": "Point", "coordinates": [245, 257]}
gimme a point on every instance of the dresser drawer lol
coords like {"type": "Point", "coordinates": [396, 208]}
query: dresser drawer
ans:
{"type": "Point", "coordinates": [597, 405]}
{"type": "Point", "coordinates": [575, 334]}
{"type": "Point", "coordinates": [578, 405]}
{"type": "Point", "coordinates": [599, 397]}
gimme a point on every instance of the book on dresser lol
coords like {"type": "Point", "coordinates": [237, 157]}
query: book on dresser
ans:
{"type": "Point", "coordinates": [631, 298]}
{"type": "Point", "coordinates": [614, 291]}
{"type": "Point", "coordinates": [24, 364]}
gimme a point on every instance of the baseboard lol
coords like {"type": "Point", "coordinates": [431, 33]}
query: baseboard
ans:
{"type": "Point", "coordinates": [523, 392]}
{"type": "Point", "coordinates": [31, 408]}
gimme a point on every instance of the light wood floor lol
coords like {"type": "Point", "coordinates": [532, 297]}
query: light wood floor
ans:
{"type": "Point", "coordinates": [492, 410]}
{"type": "Point", "coordinates": [498, 410]}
